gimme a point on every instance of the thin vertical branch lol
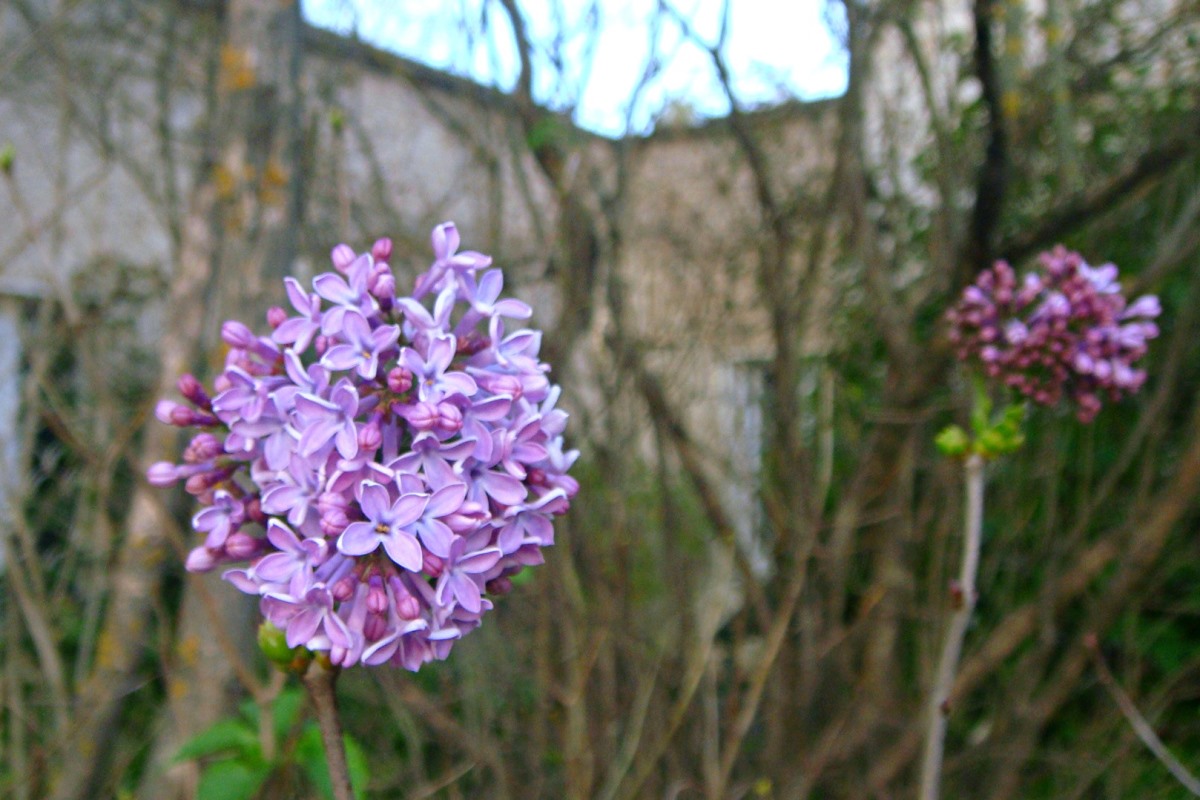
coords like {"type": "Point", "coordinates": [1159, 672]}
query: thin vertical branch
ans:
{"type": "Point", "coordinates": [320, 680]}
{"type": "Point", "coordinates": [1139, 723]}
{"type": "Point", "coordinates": [963, 596]}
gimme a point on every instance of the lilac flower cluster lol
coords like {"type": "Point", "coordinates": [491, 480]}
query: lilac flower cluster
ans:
{"type": "Point", "coordinates": [1065, 330]}
{"type": "Point", "coordinates": [380, 462]}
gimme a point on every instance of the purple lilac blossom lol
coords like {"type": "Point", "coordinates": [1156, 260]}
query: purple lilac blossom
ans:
{"type": "Point", "coordinates": [378, 465]}
{"type": "Point", "coordinates": [1064, 330]}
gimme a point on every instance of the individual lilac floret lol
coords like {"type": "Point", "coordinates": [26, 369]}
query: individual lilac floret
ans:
{"type": "Point", "coordinates": [379, 465]}
{"type": "Point", "coordinates": [1064, 330]}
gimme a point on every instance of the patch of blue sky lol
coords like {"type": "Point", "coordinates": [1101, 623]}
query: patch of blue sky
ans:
{"type": "Point", "coordinates": [618, 66]}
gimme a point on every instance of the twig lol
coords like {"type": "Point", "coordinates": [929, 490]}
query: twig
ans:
{"type": "Point", "coordinates": [1138, 722]}
{"type": "Point", "coordinates": [320, 680]}
{"type": "Point", "coordinates": [964, 601]}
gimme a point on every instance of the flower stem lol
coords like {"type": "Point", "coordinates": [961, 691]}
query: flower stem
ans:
{"type": "Point", "coordinates": [963, 598]}
{"type": "Point", "coordinates": [319, 680]}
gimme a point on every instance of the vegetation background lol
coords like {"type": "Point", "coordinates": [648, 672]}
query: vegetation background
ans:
{"type": "Point", "coordinates": [659, 653]}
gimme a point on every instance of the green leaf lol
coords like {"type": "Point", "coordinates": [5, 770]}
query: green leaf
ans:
{"type": "Point", "coordinates": [286, 710]}
{"type": "Point", "coordinates": [356, 763]}
{"type": "Point", "coordinates": [952, 441]}
{"type": "Point", "coordinates": [226, 735]}
{"type": "Point", "coordinates": [310, 752]}
{"type": "Point", "coordinates": [231, 780]}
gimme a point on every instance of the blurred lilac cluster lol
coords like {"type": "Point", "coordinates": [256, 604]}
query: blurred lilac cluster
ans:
{"type": "Point", "coordinates": [380, 462]}
{"type": "Point", "coordinates": [1064, 330]}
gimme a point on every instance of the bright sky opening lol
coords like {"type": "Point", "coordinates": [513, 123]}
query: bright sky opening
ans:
{"type": "Point", "coordinates": [591, 58]}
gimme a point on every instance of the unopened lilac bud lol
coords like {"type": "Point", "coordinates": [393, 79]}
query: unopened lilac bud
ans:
{"type": "Point", "coordinates": [535, 477]}
{"type": "Point", "coordinates": [241, 546]}
{"type": "Point", "coordinates": [374, 627]}
{"type": "Point", "coordinates": [422, 416]}
{"type": "Point", "coordinates": [200, 560]}
{"type": "Point", "coordinates": [168, 412]}
{"type": "Point", "coordinates": [254, 512]}
{"type": "Point", "coordinates": [339, 656]}
{"type": "Point", "coordinates": [505, 384]}
{"type": "Point", "coordinates": [399, 380]}
{"type": "Point", "coordinates": [332, 501]}
{"type": "Point", "coordinates": [384, 288]}
{"type": "Point", "coordinates": [193, 391]}
{"type": "Point", "coordinates": [198, 484]}
{"type": "Point", "coordinates": [333, 522]}
{"type": "Point", "coordinates": [203, 447]}
{"type": "Point", "coordinates": [450, 418]}
{"type": "Point", "coordinates": [236, 334]}
{"type": "Point", "coordinates": [431, 565]}
{"type": "Point", "coordinates": [382, 249]}
{"type": "Point", "coordinates": [474, 342]}
{"type": "Point", "coordinates": [408, 607]}
{"type": "Point", "coordinates": [499, 586]}
{"type": "Point", "coordinates": [276, 316]}
{"type": "Point", "coordinates": [343, 589]}
{"type": "Point", "coordinates": [342, 256]}
{"type": "Point", "coordinates": [370, 437]}
{"type": "Point", "coordinates": [162, 473]}
{"type": "Point", "coordinates": [377, 599]}
{"type": "Point", "coordinates": [322, 344]}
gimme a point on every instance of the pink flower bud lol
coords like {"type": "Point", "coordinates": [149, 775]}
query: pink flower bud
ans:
{"type": "Point", "coordinates": [343, 589]}
{"type": "Point", "coordinates": [431, 565]}
{"type": "Point", "coordinates": [276, 316]}
{"type": "Point", "coordinates": [377, 599]}
{"type": "Point", "coordinates": [162, 473]}
{"type": "Point", "coordinates": [198, 484]}
{"type": "Point", "coordinates": [399, 380]}
{"type": "Point", "coordinates": [204, 447]}
{"type": "Point", "coordinates": [408, 607]}
{"type": "Point", "coordinates": [382, 249]}
{"type": "Point", "coordinates": [370, 437]}
{"type": "Point", "coordinates": [450, 418]}
{"type": "Point", "coordinates": [374, 627]}
{"type": "Point", "coordinates": [254, 512]}
{"type": "Point", "coordinates": [236, 334]}
{"type": "Point", "coordinates": [504, 384]}
{"type": "Point", "coordinates": [200, 560]}
{"type": "Point", "coordinates": [241, 546]}
{"type": "Point", "coordinates": [193, 391]}
{"type": "Point", "coordinates": [333, 522]}
{"type": "Point", "coordinates": [342, 256]}
{"type": "Point", "coordinates": [332, 501]}
{"type": "Point", "coordinates": [499, 586]}
{"type": "Point", "coordinates": [165, 410]}
{"type": "Point", "coordinates": [422, 416]}
{"type": "Point", "coordinates": [384, 287]}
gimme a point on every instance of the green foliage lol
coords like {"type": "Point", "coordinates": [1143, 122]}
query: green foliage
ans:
{"type": "Point", "coordinates": [236, 767]}
{"type": "Point", "coordinates": [992, 435]}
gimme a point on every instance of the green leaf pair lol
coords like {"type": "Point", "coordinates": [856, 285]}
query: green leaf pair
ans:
{"type": "Point", "coordinates": [236, 767]}
{"type": "Point", "coordinates": [992, 435]}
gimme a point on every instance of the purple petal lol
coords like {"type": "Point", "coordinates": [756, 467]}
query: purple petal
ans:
{"type": "Point", "coordinates": [375, 501]}
{"type": "Point", "coordinates": [478, 562]}
{"type": "Point", "coordinates": [404, 550]}
{"type": "Point", "coordinates": [437, 537]}
{"type": "Point", "coordinates": [358, 539]}
{"type": "Point", "coordinates": [446, 500]}
{"type": "Point", "coordinates": [504, 488]}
